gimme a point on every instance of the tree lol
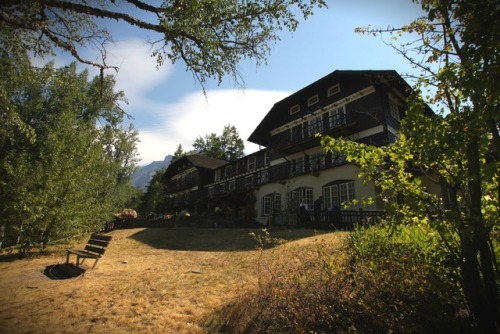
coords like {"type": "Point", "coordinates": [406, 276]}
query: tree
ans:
{"type": "Point", "coordinates": [456, 48]}
{"type": "Point", "coordinates": [63, 179]}
{"type": "Point", "coordinates": [209, 36]}
{"type": "Point", "coordinates": [228, 146]}
{"type": "Point", "coordinates": [231, 143]}
{"type": "Point", "coordinates": [179, 153]}
{"type": "Point", "coordinates": [154, 197]}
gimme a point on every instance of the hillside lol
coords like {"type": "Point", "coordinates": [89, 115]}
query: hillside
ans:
{"type": "Point", "coordinates": [149, 281]}
{"type": "Point", "coordinates": [140, 179]}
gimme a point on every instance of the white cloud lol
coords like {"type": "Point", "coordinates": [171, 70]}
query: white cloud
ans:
{"type": "Point", "coordinates": [194, 115]}
{"type": "Point", "coordinates": [137, 73]}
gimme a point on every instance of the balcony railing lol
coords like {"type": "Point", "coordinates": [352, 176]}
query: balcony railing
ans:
{"type": "Point", "coordinates": [181, 184]}
{"type": "Point", "coordinates": [303, 135]}
{"type": "Point", "coordinates": [342, 220]}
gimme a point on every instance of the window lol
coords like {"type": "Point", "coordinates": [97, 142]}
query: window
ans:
{"type": "Point", "coordinates": [317, 161]}
{"type": "Point", "coordinates": [338, 159]}
{"type": "Point", "coordinates": [231, 185]}
{"type": "Point", "coordinates": [222, 188]}
{"type": "Point", "coordinates": [346, 192]}
{"type": "Point", "coordinates": [271, 203]}
{"type": "Point", "coordinates": [337, 117]}
{"type": "Point", "coordinates": [339, 194]}
{"type": "Point", "coordinates": [394, 108]}
{"type": "Point", "coordinates": [267, 206]}
{"type": "Point", "coordinates": [211, 192]}
{"type": "Point", "coordinates": [267, 158]}
{"type": "Point", "coordinates": [249, 180]}
{"type": "Point", "coordinates": [297, 166]}
{"type": "Point", "coordinates": [312, 100]}
{"type": "Point", "coordinates": [333, 90]}
{"type": "Point", "coordinates": [294, 109]}
{"type": "Point", "coordinates": [301, 195]}
{"type": "Point", "coordinates": [217, 175]}
{"type": "Point", "coordinates": [263, 176]}
{"type": "Point", "coordinates": [296, 133]}
{"type": "Point", "coordinates": [315, 125]}
{"type": "Point", "coordinates": [228, 171]}
{"type": "Point", "coordinates": [251, 163]}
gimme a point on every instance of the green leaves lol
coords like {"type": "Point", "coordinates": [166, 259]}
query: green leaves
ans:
{"type": "Point", "coordinates": [228, 146]}
{"type": "Point", "coordinates": [209, 36]}
{"type": "Point", "coordinates": [66, 182]}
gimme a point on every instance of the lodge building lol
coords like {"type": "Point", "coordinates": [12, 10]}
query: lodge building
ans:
{"type": "Point", "coordinates": [291, 167]}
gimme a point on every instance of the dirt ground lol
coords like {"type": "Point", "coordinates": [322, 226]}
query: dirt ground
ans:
{"type": "Point", "coordinates": [149, 281]}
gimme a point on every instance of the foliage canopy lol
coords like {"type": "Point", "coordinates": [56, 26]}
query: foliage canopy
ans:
{"type": "Point", "coordinates": [456, 47]}
{"type": "Point", "coordinates": [228, 146]}
{"type": "Point", "coordinates": [63, 178]}
{"type": "Point", "coordinates": [209, 36]}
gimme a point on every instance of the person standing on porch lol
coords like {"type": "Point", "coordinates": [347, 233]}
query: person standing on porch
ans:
{"type": "Point", "coordinates": [303, 213]}
{"type": "Point", "coordinates": [318, 207]}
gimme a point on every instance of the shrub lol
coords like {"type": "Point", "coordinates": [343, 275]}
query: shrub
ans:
{"type": "Point", "coordinates": [380, 281]}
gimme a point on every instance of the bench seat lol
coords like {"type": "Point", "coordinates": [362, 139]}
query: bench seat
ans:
{"type": "Point", "coordinates": [95, 248]}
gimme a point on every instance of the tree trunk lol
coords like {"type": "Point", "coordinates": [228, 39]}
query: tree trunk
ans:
{"type": "Point", "coordinates": [478, 277]}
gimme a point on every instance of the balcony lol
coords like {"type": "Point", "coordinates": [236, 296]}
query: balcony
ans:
{"type": "Point", "coordinates": [179, 185]}
{"type": "Point", "coordinates": [303, 136]}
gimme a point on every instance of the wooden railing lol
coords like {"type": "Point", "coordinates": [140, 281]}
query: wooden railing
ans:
{"type": "Point", "coordinates": [342, 220]}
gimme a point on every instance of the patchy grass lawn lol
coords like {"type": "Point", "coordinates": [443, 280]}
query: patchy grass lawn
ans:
{"type": "Point", "coordinates": [149, 281]}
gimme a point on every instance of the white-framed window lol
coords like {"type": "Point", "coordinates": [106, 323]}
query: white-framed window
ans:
{"type": "Point", "coordinates": [346, 192]}
{"type": "Point", "coordinates": [231, 186]}
{"type": "Point", "coordinates": [251, 163]}
{"type": "Point", "coordinates": [332, 90]}
{"type": "Point", "coordinates": [294, 109]}
{"type": "Point", "coordinates": [339, 194]}
{"type": "Point", "coordinates": [270, 204]}
{"type": "Point", "coordinates": [315, 125]}
{"type": "Point", "coordinates": [337, 117]}
{"type": "Point", "coordinates": [249, 180]}
{"type": "Point", "coordinates": [394, 108]}
{"type": "Point", "coordinates": [267, 158]}
{"type": "Point", "coordinates": [267, 205]}
{"type": "Point", "coordinates": [312, 100]}
{"type": "Point", "coordinates": [222, 188]}
{"type": "Point", "coordinates": [217, 175]}
{"type": "Point", "coordinates": [301, 195]}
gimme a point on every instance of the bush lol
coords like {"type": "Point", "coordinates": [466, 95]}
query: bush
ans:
{"type": "Point", "coordinates": [381, 281]}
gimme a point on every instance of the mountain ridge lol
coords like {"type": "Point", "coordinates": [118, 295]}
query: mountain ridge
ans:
{"type": "Point", "coordinates": [142, 176]}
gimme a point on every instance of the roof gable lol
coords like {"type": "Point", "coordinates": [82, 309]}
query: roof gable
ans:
{"type": "Point", "coordinates": [194, 160]}
{"type": "Point", "coordinates": [280, 112]}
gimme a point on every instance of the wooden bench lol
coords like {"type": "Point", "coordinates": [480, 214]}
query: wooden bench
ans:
{"type": "Point", "coordinates": [95, 248]}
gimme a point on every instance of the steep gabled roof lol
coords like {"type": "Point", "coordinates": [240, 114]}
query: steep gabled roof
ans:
{"type": "Point", "coordinates": [193, 160]}
{"type": "Point", "coordinates": [280, 110]}
{"type": "Point", "coordinates": [203, 161]}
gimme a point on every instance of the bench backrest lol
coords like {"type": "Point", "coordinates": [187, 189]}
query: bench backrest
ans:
{"type": "Point", "coordinates": [97, 244]}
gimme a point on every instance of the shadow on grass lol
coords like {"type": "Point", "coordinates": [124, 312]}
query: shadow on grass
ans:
{"type": "Point", "coordinates": [214, 239]}
{"type": "Point", "coordinates": [63, 271]}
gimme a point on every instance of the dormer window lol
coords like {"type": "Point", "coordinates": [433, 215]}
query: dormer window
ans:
{"type": "Point", "coordinates": [394, 108]}
{"type": "Point", "coordinates": [217, 175]}
{"type": "Point", "coordinates": [294, 109]}
{"type": "Point", "coordinates": [333, 90]}
{"type": "Point", "coordinates": [251, 163]}
{"type": "Point", "coordinates": [312, 100]}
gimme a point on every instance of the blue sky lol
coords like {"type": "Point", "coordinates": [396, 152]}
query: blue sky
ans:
{"type": "Point", "coordinates": [169, 107]}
